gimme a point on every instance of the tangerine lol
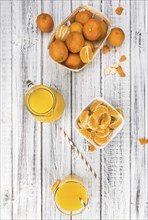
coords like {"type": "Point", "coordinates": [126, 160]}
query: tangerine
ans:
{"type": "Point", "coordinates": [58, 51]}
{"type": "Point", "coordinates": [92, 29]}
{"type": "Point", "coordinates": [62, 32]}
{"type": "Point", "coordinates": [86, 54]}
{"type": "Point", "coordinates": [92, 123]}
{"type": "Point", "coordinates": [116, 37]}
{"type": "Point", "coordinates": [112, 112]}
{"type": "Point", "coordinates": [105, 121]}
{"type": "Point", "coordinates": [45, 22]}
{"type": "Point", "coordinates": [103, 134]}
{"type": "Point", "coordinates": [75, 42]}
{"type": "Point", "coordinates": [89, 43]}
{"type": "Point", "coordinates": [104, 28]}
{"type": "Point", "coordinates": [86, 133]}
{"type": "Point", "coordinates": [116, 123]}
{"type": "Point", "coordinates": [73, 61]}
{"type": "Point", "coordinates": [84, 116]}
{"type": "Point", "coordinates": [76, 27]}
{"type": "Point", "coordinates": [101, 141]}
{"type": "Point", "coordinates": [95, 105]}
{"type": "Point", "coordinates": [100, 111]}
{"type": "Point", "coordinates": [83, 16]}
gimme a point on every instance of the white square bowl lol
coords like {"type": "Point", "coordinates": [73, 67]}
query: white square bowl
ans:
{"type": "Point", "coordinates": [114, 132]}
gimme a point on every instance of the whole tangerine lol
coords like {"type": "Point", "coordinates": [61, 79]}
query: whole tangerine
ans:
{"type": "Point", "coordinates": [45, 22]}
{"type": "Point", "coordinates": [58, 51]}
{"type": "Point", "coordinates": [116, 37]}
{"type": "Point", "coordinates": [92, 29]}
{"type": "Point", "coordinates": [83, 16]}
{"type": "Point", "coordinates": [75, 41]}
{"type": "Point", "coordinates": [73, 61]}
{"type": "Point", "coordinates": [76, 27]}
{"type": "Point", "coordinates": [104, 28]}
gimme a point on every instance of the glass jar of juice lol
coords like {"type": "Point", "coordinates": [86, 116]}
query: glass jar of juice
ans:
{"type": "Point", "coordinates": [45, 103]}
{"type": "Point", "coordinates": [70, 195]}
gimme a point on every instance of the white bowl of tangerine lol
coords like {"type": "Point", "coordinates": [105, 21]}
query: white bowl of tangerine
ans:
{"type": "Point", "coordinates": [99, 122]}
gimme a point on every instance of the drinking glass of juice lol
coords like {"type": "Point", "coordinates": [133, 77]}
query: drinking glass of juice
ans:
{"type": "Point", "coordinates": [70, 195]}
{"type": "Point", "coordinates": [45, 103]}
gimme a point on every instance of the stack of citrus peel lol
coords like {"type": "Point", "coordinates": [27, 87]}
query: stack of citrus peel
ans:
{"type": "Point", "coordinates": [98, 122]}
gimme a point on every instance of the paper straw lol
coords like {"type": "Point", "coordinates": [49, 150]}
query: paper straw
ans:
{"type": "Point", "coordinates": [80, 154]}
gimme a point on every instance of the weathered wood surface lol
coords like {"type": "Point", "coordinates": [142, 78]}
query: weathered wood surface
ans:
{"type": "Point", "coordinates": [34, 155]}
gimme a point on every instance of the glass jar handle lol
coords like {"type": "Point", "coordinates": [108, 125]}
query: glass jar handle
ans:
{"type": "Point", "coordinates": [29, 84]}
{"type": "Point", "coordinates": [54, 186]}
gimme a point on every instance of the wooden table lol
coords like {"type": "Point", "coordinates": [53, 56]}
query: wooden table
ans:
{"type": "Point", "coordinates": [34, 155]}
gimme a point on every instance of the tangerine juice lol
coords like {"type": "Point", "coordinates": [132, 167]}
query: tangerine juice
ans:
{"type": "Point", "coordinates": [68, 196]}
{"type": "Point", "coordinates": [46, 104]}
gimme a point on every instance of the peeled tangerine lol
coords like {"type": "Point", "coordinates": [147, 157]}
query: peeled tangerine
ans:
{"type": "Point", "coordinates": [112, 112]}
{"type": "Point", "coordinates": [62, 32]}
{"type": "Point", "coordinates": [86, 133]}
{"type": "Point", "coordinates": [101, 141]}
{"type": "Point", "coordinates": [104, 134]}
{"type": "Point", "coordinates": [92, 123]}
{"type": "Point", "coordinates": [84, 116]}
{"type": "Point", "coordinates": [86, 54]}
{"type": "Point", "coordinates": [95, 105]}
{"type": "Point", "coordinates": [116, 123]}
{"type": "Point", "coordinates": [101, 110]}
{"type": "Point", "coordinates": [105, 121]}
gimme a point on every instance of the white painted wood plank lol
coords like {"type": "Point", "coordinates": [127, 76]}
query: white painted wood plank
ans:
{"type": "Point", "coordinates": [139, 109]}
{"type": "Point", "coordinates": [6, 111]}
{"type": "Point", "coordinates": [116, 90]}
{"type": "Point", "coordinates": [56, 153]}
{"type": "Point", "coordinates": [86, 86]}
{"type": "Point", "coordinates": [26, 130]}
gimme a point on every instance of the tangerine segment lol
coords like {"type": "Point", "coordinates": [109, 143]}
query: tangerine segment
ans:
{"type": "Point", "coordinates": [101, 141]}
{"type": "Point", "coordinates": [86, 54]}
{"type": "Point", "coordinates": [116, 123]}
{"type": "Point", "coordinates": [120, 110]}
{"type": "Point", "coordinates": [103, 135]}
{"type": "Point", "coordinates": [86, 133]}
{"type": "Point", "coordinates": [143, 141]}
{"type": "Point", "coordinates": [112, 112]}
{"type": "Point", "coordinates": [83, 125]}
{"type": "Point", "coordinates": [93, 134]}
{"type": "Point", "coordinates": [92, 123]}
{"type": "Point", "coordinates": [84, 117]}
{"type": "Point", "coordinates": [105, 121]}
{"type": "Point", "coordinates": [101, 110]}
{"type": "Point", "coordinates": [95, 105]}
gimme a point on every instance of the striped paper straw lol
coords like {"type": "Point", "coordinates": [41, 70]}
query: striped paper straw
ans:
{"type": "Point", "coordinates": [79, 154]}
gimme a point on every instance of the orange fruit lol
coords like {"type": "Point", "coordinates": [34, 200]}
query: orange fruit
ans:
{"type": "Point", "coordinates": [105, 121]}
{"type": "Point", "coordinates": [100, 111]}
{"type": "Point", "coordinates": [76, 27]}
{"type": "Point", "coordinates": [92, 123]}
{"type": "Point", "coordinates": [62, 32]}
{"type": "Point", "coordinates": [83, 125]}
{"type": "Point", "coordinates": [86, 54]}
{"type": "Point", "coordinates": [83, 16]}
{"type": "Point", "coordinates": [73, 61]}
{"type": "Point", "coordinates": [75, 42]}
{"type": "Point", "coordinates": [116, 37]}
{"type": "Point", "coordinates": [116, 123]}
{"type": "Point", "coordinates": [92, 148]}
{"type": "Point", "coordinates": [86, 133]}
{"type": "Point", "coordinates": [89, 43]}
{"type": "Point", "coordinates": [104, 28]}
{"type": "Point", "coordinates": [84, 116]}
{"type": "Point", "coordinates": [92, 29]}
{"type": "Point", "coordinates": [95, 105]}
{"type": "Point", "coordinates": [103, 134]}
{"type": "Point", "coordinates": [112, 112]}
{"type": "Point", "coordinates": [58, 51]}
{"type": "Point", "coordinates": [45, 22]}
{"type": "Point", "coordinates": [101, 141]}
{"type": "Point", "coordinates": [93, 134]}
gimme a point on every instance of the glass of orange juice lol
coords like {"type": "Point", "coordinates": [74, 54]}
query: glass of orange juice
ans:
{"type": "Point", "coordinates": [45, 103]}
{"type": "Point", "coordinates": [70, 195]}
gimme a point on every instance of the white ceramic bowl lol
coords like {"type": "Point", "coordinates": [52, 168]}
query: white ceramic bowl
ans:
{"type": "Point", "coordinates": [114, 132]}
